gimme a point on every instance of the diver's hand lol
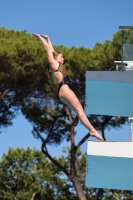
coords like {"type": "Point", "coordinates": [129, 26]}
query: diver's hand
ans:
{"type": "Point", "coordinates": [45, 36]}
{"type": "Point", "coordinates": [37, 35]}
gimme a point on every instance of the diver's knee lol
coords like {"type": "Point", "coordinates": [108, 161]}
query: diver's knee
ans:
{"type": "Point", "coordinates": [79, 110]}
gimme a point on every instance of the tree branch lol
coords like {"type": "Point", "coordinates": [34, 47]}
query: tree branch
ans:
{"type": "Point", "coordinates": [68, 114]}
{"type": "Point", "coordinates": [55, 162]}
{"type": "Point", "coordinates": [97, 120]}
{"type": "Point", "coordinates": [48, 155]}
{"type": "Point", "coordinates": [83, 140]}
{"type": "Point", "coordinates": [44, 141]}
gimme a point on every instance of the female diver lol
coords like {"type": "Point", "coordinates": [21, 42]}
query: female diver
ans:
{"type": "Point", "coordinates": [65, 92]}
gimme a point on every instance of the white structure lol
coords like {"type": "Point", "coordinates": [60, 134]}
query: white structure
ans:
{"type": "Point", "coordinates": [124, 65]}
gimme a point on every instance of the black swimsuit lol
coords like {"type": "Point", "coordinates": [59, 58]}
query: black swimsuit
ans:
{"type": "Point", "coordinates": [66, 78]}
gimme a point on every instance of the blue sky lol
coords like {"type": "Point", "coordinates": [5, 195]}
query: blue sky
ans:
{"type": "Point", "coordinates": [68, 23]}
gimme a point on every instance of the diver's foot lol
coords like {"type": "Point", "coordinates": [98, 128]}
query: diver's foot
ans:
{"type": "Point", "coordinates": [95, 134]}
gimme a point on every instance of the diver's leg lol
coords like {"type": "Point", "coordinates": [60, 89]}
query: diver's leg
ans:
{"type": "Point", "coordinates": [67, 96]}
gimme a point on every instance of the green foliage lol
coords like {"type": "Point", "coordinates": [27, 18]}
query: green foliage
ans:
{"type": "Point", "coordinates": [27, 174]}
{"type": "Point", "coordinates": [117, 45]}
{"type": "Point", "coordinates": [22, 60]}
{"type": "Point", "coordinates": [49, 120]}
{"type": "Point", "coordinates": [23, 72]}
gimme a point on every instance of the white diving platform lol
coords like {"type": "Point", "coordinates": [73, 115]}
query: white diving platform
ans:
{"type": "Point", "coordinates": [109, 165]}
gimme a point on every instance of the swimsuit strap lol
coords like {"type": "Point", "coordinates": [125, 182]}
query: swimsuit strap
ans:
{"type": "Point", "coordinates": [56, 69]}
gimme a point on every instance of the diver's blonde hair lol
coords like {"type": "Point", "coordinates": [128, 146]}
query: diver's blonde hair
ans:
{"type": "Point", "coordinates": [56, 53]}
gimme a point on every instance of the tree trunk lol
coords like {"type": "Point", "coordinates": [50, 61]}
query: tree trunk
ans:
{"type": "Point", "coordinates": [73, 173]}
{"type": "Point", "coordinates": [100, 191]}
{"type": "Point", "coordinates": [78, 188]}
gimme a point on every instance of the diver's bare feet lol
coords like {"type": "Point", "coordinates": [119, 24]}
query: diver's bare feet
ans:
{"type": "Point", "coordinates": [94, 133]}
